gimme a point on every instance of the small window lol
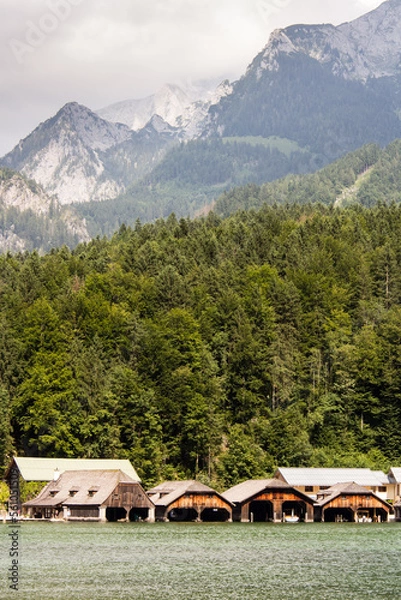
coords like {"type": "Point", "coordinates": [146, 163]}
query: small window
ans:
{"type": "Point", "coordinates": [309, 488]}
{"type": "Point", "coordinates": [382, 488]}
{"type": "Point", "coordinates": [53, 493]}
{"type": "Point", "coordinates": [72, 493]}
{"type": "Point", "coordinates": [324, 487]}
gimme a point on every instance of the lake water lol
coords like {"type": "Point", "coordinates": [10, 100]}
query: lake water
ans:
{"type": "Point", "coordinates": [174, 561]}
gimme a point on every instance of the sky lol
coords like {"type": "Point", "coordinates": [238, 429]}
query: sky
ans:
{"type": "Point", "coordinates": [97, 52]}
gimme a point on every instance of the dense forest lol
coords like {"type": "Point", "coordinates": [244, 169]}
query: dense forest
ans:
{"type": "Point", "coordinates": [303, 100]}
{"type": "Point", "coordinates": [193, 174]}
{"type": "Point", "coordinates": [242, 173]}
{"type": "Point", "coordinates": [210, 348]}
{"type": "Point", "coordinates": [366, 176]}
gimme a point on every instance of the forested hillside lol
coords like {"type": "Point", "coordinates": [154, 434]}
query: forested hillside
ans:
{"type": "Point", "coordinates": [366, 176]}
{"type": "Point", "coordinates": [193, 174]}
{"type": "Point", "coordinates": [302, 99]}
{"type": "Point", "coordinates": [211, 348]}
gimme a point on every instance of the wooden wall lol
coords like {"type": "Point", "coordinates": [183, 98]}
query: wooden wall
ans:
{"type": "Point", "coordinates": [199, 502]}
{"type": "Point", "coordinates": [356, 502]}
{"type": "Point", "coordinates": [128, 494]}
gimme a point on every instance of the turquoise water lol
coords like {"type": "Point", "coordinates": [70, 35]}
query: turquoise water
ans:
{"type": "Point", "coordinates": [172, 561]}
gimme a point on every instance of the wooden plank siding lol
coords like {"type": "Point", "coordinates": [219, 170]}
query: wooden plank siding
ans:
{"type": "Point", "coordinates": [356, 502]}
{"type": "Point", "coordinates": [281, 495]}
{"type": "Point", "coordinates": [355, 507]}
{"type": "Point", "coordinates": [128, 494]}
{"type": "Point", "coordinates": [277, 498]}
{"type": "Point", "coordinates": [199, 502]}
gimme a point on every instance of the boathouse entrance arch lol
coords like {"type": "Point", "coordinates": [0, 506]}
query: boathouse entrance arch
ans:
{"type": "Point", "coordinates": [182, 514]}
{"type": "Point", "coordinates": [295, 508]}
{"type": "Point", "coordinates": [338, 515]}
{"type": "Point", "coordinates": [215, 515]}
{"type": "Point", "coordinates": [375, 514]}
{"type": "Point", "coordinates": [260, 511]}
{"type": "Point", "coordinates": [115, 513]}
{"type": "Point", "coordinates": [138, 514]}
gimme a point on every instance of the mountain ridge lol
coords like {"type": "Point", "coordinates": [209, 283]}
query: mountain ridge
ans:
{"type": "Point", "coordinates": [325, 89]}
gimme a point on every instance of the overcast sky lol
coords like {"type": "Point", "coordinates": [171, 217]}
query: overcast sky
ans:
{"type": "Point", "coordinates": [97, 52]}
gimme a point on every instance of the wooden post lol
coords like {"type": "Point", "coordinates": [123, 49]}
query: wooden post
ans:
{"type": "Point", "coordinates": [277, 511]}
{"type": "Point", "coordinates": [309, 516]}
{"type": "Point", "coordinates": [245, 513]}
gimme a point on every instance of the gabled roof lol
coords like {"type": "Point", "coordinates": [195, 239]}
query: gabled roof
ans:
{"type": "Point", "coordinates": [347, 489]}
{"type": "Point", "coordinates": [395, 475]}
{"type": "Point", "coordinates": [248, 489]}
{"type": "Point", "coordinates": [169, 491]}
{"type": "Point", "coordinates": [43, 469]}
{"type": "Point", "coordinates": [101, 484]}
{"type": "Point", "coordinates": [329, 477]}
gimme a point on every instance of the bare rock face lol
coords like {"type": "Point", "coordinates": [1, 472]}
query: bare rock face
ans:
{"type": "Point", "coordinates": [80, 156]}
{"type": "Point", "coordinates": [20, 196]}
{"type": "Point", "coordinates": [368, 47]}
{"type": "Point", "coordinates": [65, 155]}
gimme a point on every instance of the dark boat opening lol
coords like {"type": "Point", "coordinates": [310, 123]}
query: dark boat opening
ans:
{"type": "Point", "coordinates": [261, 511]}
{"type": "Point", "coordinates": [338, 515]}
{"type": "Point", "coordinates": [215, 515]}
{"type": "Point", "coordinates": [183, 514]}
{"type": "Point", "coordinates": [373, 515]}
{"type": "Point", "coordinates": [115, 514]}
{"type": "Point", "coordinates": [138, 514]}
{"type": "Point", "coordinates": [296, 509]}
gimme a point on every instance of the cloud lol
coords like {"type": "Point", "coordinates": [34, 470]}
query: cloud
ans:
{"type": "Point", "coordinates": [101, 51]}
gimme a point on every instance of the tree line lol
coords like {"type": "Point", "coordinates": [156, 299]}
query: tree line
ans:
{"type": "Point", "coordinates": [215, 348]}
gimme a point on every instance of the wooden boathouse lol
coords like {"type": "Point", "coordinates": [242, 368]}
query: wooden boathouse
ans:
{"type": "Point", "coordinates": [312, 481]}
{"type": "Point", "coordinates": [43, 469]}
{"type": "Point", "coordinates": [351, 502]}
{"type": "Point", "coordinates": [106, 495]}
{"type": "Point", "coordinates": [269, 500]}
{"type": "Point", "coordinates": [189, 501]}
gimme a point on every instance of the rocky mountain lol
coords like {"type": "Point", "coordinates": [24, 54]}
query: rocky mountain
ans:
{"type": "Point", "coordinates": [65, 155]}
{"type": "Point", "coordinates": [194, 119]}
{"type": "Point", "coordinates": [314, 93]}
{"type": "Point", "coordinates": [331, 89]}
{"type": "Point", "coordinates": [171, 102]}
{"type": "Point", "coordinates": [368, 47]}
{"type": "Point", "coordinates": [30, 218]}
{"type": "Point", "coordinates": [80, 157]}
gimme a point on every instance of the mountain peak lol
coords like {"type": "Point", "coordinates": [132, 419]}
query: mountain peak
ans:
{"type": "Point", "coordinates": [73, 109]}
{"type": "Point", "coordinates": [65, 154]}
{"type": "Point", "coordinates": [367, 47]}
{"type": "Point", "coordinates": [95, 132]}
